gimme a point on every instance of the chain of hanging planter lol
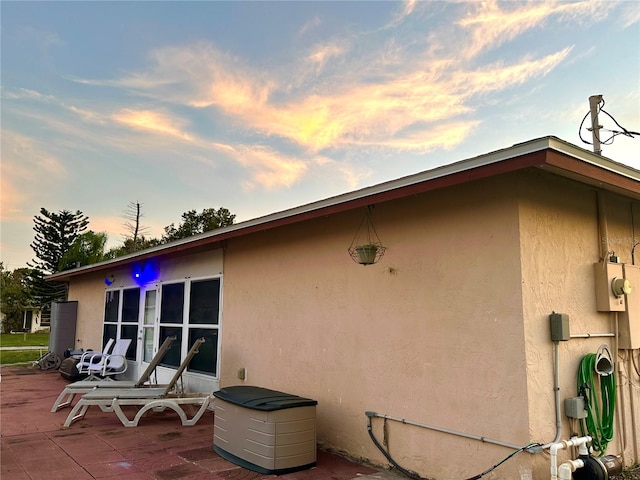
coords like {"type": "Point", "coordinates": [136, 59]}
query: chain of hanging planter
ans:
{"type": "Point", "coordinates": [366, 247]}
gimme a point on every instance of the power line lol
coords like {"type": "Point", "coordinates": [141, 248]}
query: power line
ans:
{"type": "Point", "coordinates": [596, 103]}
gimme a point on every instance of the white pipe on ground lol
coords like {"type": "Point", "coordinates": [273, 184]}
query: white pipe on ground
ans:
{"type": "Point", "coordinates": [572, 442]}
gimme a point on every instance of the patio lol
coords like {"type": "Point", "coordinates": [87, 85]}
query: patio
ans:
{"type": "Point", "coordinates": [35, 445]}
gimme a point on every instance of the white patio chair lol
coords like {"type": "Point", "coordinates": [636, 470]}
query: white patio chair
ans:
{"type": "Point", "coordinates": [106, 365]}
{"type": "Point", "coordinates": [84, 386]}
{"type": "Point", "coordinates": [91, 356]}
{"type": "Point", "coordinates": [145, 399]}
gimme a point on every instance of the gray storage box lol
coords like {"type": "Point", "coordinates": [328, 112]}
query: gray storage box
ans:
{"type": "Point", "coordinates": [264, 430]}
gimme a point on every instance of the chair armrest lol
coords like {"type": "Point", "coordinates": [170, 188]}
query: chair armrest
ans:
{"type": "Point", "coordinates": [108, 368]}
{"type": "Point", "coordinates": [91, 357]}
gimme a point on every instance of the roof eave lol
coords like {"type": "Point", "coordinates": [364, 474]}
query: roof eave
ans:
{"type": "Point", "coordinates": [548, 153]}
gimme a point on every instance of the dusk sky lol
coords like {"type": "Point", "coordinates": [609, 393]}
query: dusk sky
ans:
{"type": "Point", "coordinates": [263, 106]}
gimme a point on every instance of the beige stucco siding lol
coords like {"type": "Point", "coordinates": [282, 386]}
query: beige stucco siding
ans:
{"type": "Point", "coordinates": [432, 333]}
{"type": "Point", "coordinates": [560, 243]}
{"type": "Point", "coordinates": [449, 330]}
{"type": "Point", "coordinates": [88, 291]}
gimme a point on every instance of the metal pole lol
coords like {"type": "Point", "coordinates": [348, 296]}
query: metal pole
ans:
{"type": "Point", "coordinates": [594, 102]}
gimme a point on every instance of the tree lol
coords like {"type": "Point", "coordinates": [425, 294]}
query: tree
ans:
{"type": "Point", "coordinates": [136, 230]}
{"type": "Point", "coordinates": [129, 246]}
{"type": "Point", "coordinates": [55, 233]}
{"type": "Point", "coordinates": [15, 295]}
{"type": "Point", "coordinates": [86, 249]}
{"type": "Point", "coordinates": [194, 223]}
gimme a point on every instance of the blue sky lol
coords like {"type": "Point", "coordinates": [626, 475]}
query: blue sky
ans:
{"type": "Point", "coordinates": [262, 106]}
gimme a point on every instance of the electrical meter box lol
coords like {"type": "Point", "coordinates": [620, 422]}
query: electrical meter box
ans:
{"type": "Point", "coordinates": [629, 320]}
{"type": "Point", "coordinates": [607, 275]}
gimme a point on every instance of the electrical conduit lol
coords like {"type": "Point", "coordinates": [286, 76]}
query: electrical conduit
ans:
{"type": "Point", "coordinates": [443, 430]}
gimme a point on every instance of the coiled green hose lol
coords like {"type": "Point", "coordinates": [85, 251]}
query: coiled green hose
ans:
{"type": "Point", "coordinates": [600, 408]}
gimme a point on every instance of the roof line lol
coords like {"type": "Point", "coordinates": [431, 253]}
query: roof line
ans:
{"type": "Point", "coordinates": [519, 156]}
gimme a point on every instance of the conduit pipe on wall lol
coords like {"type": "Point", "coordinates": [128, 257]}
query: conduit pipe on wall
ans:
{"type": "Point", "coordinates": [621, 416]}
{"type": "Point", "coordinates": [556, 393]}
{"type": "Point", "coordinates": [635, 431]}
{"type": "Point", "coordinates": [370, 414]}
{"type": "Point", "coordinates": [603, 229]}
{"type": "Point", "coordinates": [592, 335]}
{"type": "Point", "coordinates": [580, 442]}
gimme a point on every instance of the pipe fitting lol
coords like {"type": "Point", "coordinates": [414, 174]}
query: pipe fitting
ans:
{"type": "Point", "coordinates": [566, 470]}
{"type": "Point", "coordinates": [555, 447]}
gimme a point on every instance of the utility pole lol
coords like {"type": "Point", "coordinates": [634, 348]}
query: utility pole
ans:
{"type": "Point", "coordinates": [594, 102]}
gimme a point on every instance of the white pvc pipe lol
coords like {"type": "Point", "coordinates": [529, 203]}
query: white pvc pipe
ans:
{"type": "Point", "coordinates": [555, 447]}
{"type": "Point", "coordinates": [592, 335]}
{"type": "Point", "coordinates": [567, 468]}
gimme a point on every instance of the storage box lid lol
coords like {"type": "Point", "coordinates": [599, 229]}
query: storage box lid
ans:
{"type": "Point", "coordinates": [259, 398]}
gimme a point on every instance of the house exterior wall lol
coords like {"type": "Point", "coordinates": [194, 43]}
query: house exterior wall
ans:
{"type": "Point", "coordinates": [560, 238]}
{"type": "Point", "coordinates": [449, 330]}
{"type": "Point", "coordinates": [36, 320]}
{"type": "Point", "coordinates": [89, 291]}
{"type": "Point", "coordinates": [433, 333]}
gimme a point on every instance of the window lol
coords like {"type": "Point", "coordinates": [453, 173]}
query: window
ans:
{"type": "Point", "coordinates": [28, 320]}
{"type": "Point", "coordinates": [121, 310]}
{"type": "Point", "coordinates": [191, 309]}
{"type": "Point", "coordinates": [204, 312]}
{"type": "Point", "coordinates": [187, 309]}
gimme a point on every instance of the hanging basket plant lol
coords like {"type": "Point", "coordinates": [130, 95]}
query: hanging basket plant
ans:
{"type": "Point", "coordinates": [366, 247]}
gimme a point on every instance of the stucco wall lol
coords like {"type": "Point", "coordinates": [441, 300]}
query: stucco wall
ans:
{"type": "Point", "coordinates": [560, 243]}
{"type": "Point", "coordinates": [433, 333]}
{"type": "Point", "coordinates": [88, 291]}
{"type": "Point", "coordinates": [449, 329]}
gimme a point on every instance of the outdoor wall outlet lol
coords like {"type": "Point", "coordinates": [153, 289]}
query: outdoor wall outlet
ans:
{"type": "Point", "coordinates": [242, 374]}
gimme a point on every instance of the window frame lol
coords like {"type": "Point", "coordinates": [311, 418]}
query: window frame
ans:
{"type": "Point", "coordinates": [119, 323]}
{"type": "Point", "coordinates": [186, 326]}
{"type": "Point", "coordinates": [113, 321]}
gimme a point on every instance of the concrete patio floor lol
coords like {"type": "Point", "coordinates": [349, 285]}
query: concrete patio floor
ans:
{"type": "Point", "coordinates": [35, 446]}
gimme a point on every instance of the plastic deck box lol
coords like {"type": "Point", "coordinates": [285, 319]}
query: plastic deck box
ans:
{"type": "Point", "coordinates": [264, 430]}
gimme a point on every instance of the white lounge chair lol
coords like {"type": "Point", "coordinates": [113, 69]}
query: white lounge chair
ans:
{"type": "Point", "coordinates": [84, 386]}
{"type": "Point", "coordinates": [145, 399]}
{"type": "Point", "coordinates": [105, 364]}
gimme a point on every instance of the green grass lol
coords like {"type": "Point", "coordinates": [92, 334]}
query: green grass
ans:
{"type": "Point", "coordinates": [21, 340]}
{"type": "Point", "coordinates": [20, 356]}
{"type": "Point", "coordinates": [8, 357]}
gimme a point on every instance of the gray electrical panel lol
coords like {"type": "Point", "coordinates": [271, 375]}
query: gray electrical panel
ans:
{"type": "Point", "coordinates": [574, 407]}
{"type": "Point", "coordinates": [559, 327]}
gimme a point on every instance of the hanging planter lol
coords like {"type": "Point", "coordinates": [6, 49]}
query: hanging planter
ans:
{"type": "Point", "coordinates": [367, 254]}
{"type": "Point", "coordinates": [366, 247]}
